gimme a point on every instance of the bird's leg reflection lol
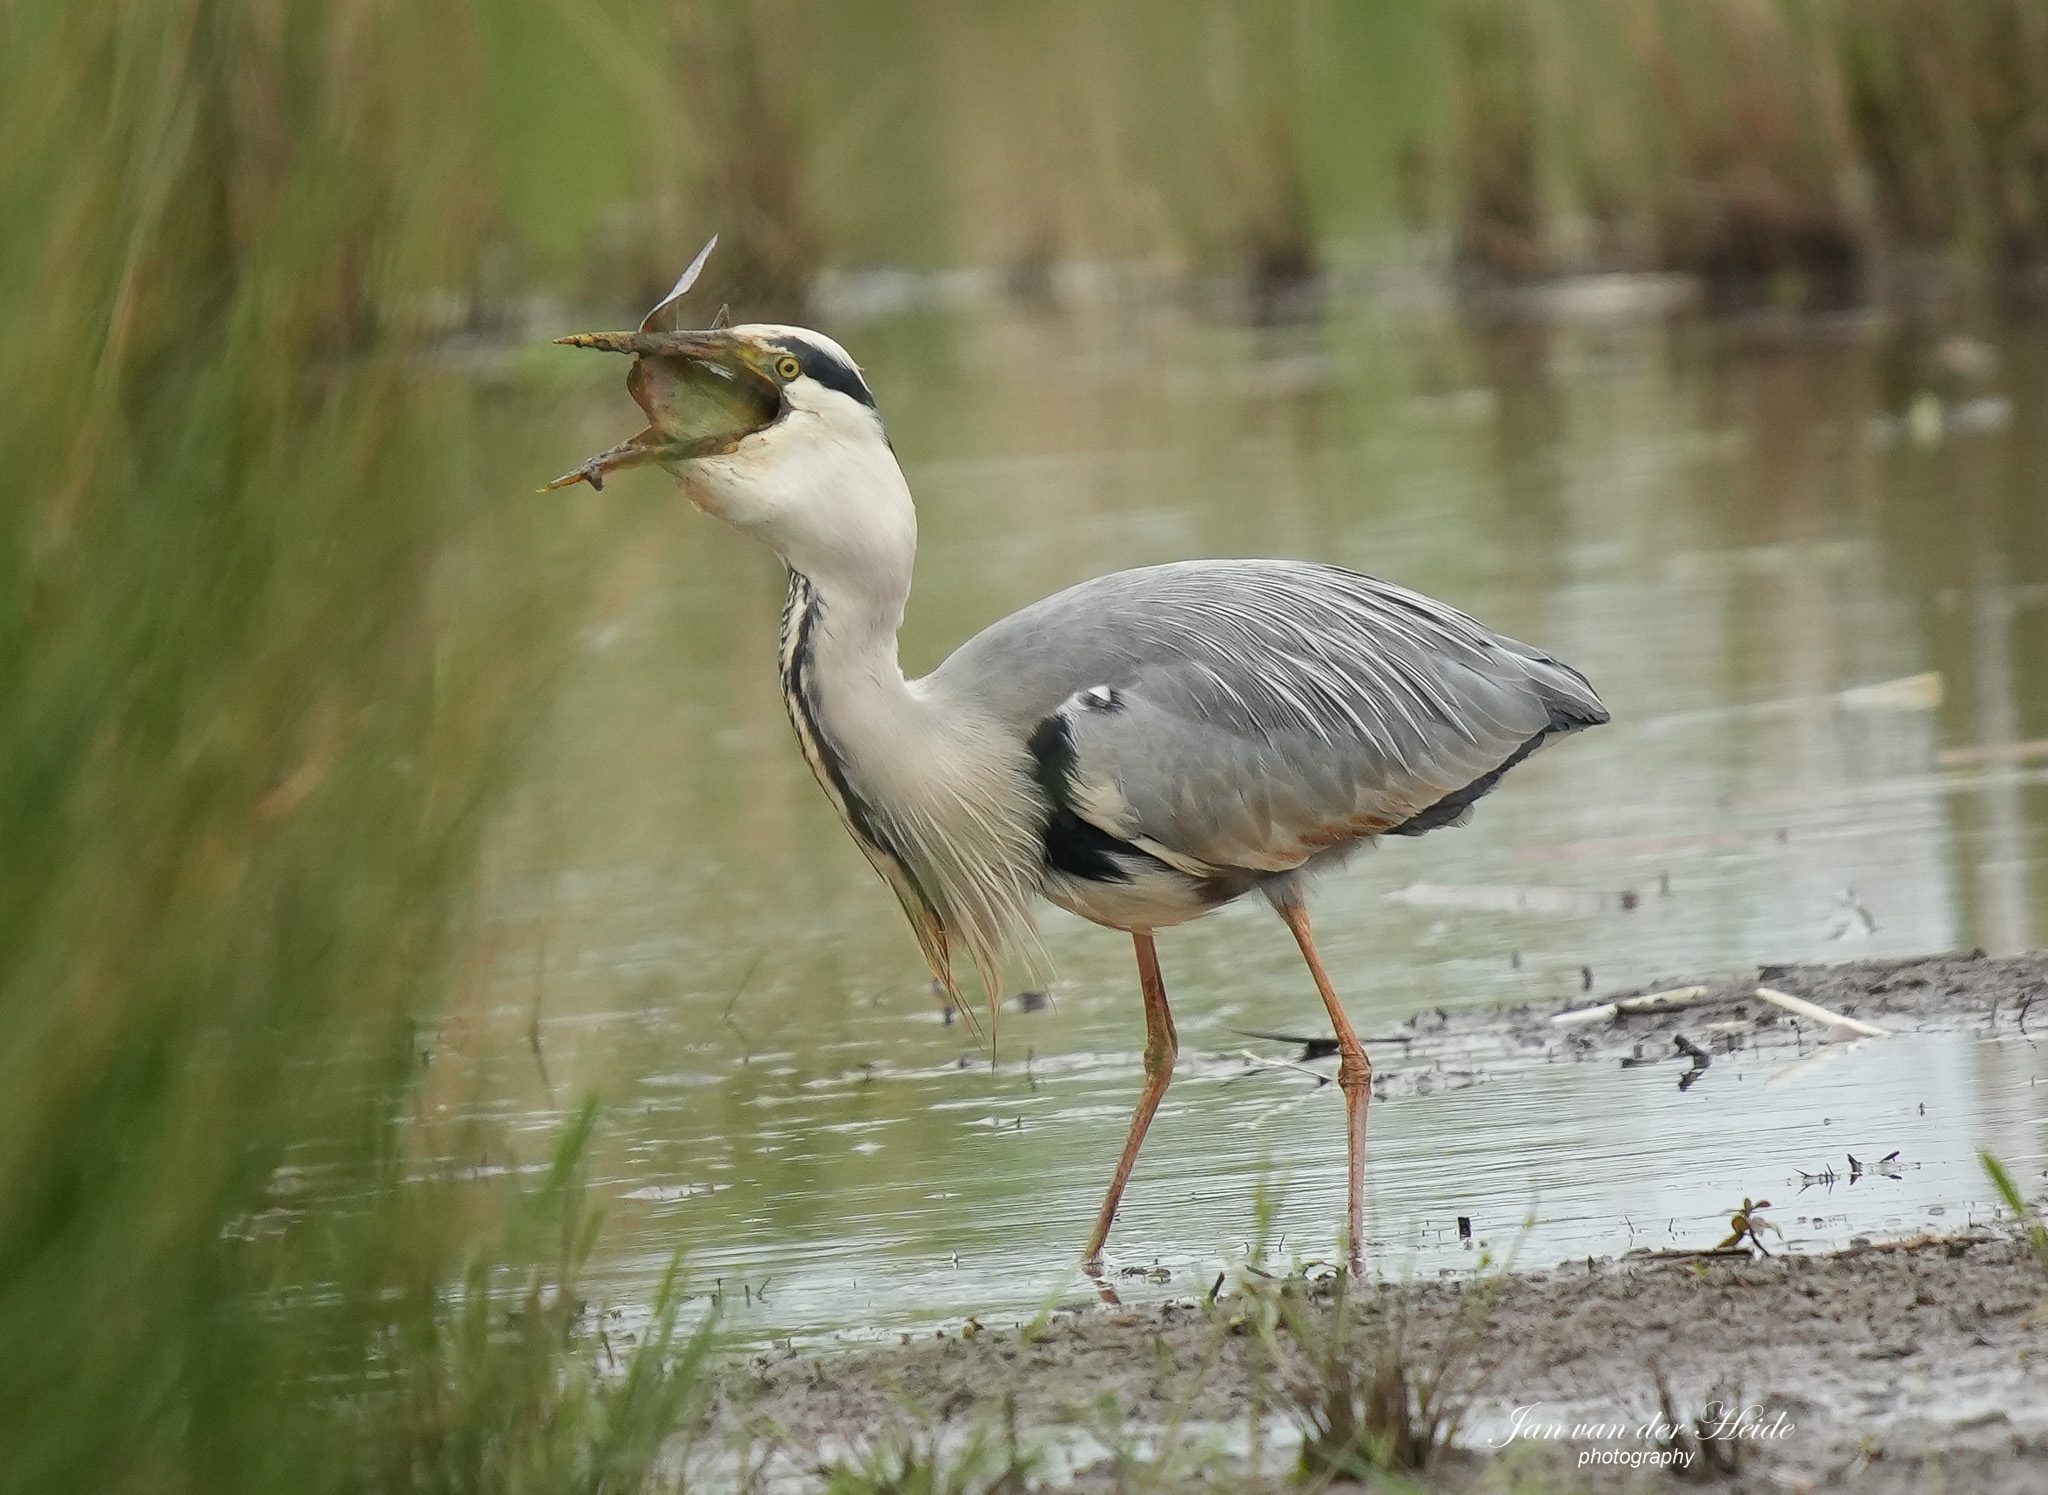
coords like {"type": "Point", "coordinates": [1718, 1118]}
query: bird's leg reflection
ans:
{"type": "Point", "coordinates": [1162, 1045]}
{"type": "Point", "coordinates": [1354, 1078]}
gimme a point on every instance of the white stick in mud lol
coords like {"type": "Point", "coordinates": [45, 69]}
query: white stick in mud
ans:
{"type": "Point", "coordinates": [1656, 1001]}
{"type": "Point", "coordinates": [1814, 1012]}
{"type": "Point", "coordinates": [1260, 1061]}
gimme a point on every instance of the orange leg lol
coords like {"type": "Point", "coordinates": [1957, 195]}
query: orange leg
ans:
{"type": "Point", "coordinates": [1162, 1044]}
{"type": "Point", "coordinates": [1354, 1078]}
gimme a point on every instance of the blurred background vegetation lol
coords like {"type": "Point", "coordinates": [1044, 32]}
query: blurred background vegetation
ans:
{"type": "Point", "coordinates": [255, 705]}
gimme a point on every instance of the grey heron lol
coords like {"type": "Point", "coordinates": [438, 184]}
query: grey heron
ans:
{"type": "Point", "coordinates": [1139, 749]}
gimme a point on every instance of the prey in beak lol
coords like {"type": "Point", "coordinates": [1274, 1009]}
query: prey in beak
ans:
{"type": "Point", "coordinates": [703, 392]}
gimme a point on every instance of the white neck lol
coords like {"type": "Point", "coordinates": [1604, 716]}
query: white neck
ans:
{"type": "Point", "coordinates": [883, 737]}
{"type": "Point", "coordinates": [939, 795]}
{"type": "Point", "coordinates": [850, 562]}
{"type": "Point", "coordinates": [928, 786]}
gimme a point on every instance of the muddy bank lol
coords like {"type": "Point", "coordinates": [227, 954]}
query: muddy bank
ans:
{"type": "Point", "coordinates": [1877, 1368]}
{"type": "Point", "coordinates": [1994, 996]}
{"type": "Point", "coordinates": [1890, 1365]}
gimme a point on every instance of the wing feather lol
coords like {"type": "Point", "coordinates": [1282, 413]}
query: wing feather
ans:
{"type": "Point", "coordinates": [1266, 711]}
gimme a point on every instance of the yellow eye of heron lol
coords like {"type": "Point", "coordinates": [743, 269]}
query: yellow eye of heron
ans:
{"type": "Point", "coordinates": [787, 367]}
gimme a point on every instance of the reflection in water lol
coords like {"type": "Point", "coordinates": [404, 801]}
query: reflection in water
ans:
{"type": "Point", "coordinates": [1728, 532]}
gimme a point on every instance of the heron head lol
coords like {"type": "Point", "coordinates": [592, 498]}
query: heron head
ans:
{"type": "Point", "coordinates": [729, 393]}
{"type": "Point", "coordinates": [771, 429]}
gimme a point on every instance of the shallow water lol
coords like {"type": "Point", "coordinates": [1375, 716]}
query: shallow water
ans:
{"type": "Point", "coordinates": [1807, 568]}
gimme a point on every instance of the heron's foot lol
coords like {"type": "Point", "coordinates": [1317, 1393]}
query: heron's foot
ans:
{"type": "Point", "coordinates": [1100, 1281]}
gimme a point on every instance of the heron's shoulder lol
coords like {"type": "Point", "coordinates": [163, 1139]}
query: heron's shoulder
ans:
{"type": "Point", "coordinates": [1266, 639]}
{"type": "Point", "coordinates": [1100, 607]}
{"type": "Point", "coordinates": [1160, 601]}
{"type": "Point", "coordinates": [1100, 630]}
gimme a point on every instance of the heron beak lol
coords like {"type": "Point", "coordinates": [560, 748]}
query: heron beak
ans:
{"type": "Point", "coordinates": [703, 393]}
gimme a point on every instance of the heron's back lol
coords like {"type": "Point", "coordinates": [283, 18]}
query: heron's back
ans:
{"type": "Point", "coordinates": [1250, 713]}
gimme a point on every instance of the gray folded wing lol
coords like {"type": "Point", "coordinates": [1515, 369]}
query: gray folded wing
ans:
{"type": "Point", "coordinates": [1250, 714]}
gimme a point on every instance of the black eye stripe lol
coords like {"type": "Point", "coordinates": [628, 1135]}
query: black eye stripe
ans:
{"type": "Point", "coordinates": [828, 370]}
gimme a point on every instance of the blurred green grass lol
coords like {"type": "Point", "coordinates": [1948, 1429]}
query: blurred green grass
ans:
{"type": "Point", "coordinates": [248, 734]}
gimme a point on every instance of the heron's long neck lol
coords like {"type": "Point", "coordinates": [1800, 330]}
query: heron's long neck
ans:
{"type": "Point", "coordinates": [940, 805]}
{"type": "Point", "coordinates": [845, 689]}
{"type": "Point", "coordinates": [849, 580]}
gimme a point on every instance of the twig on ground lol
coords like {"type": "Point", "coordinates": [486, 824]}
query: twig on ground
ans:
{"type": "Point", "coordinates": [1814, 1012]}
{"type": "Point", "coordinates": [1259, 1061]}
{"type": "Point", "coordinates": [1656, 1001]}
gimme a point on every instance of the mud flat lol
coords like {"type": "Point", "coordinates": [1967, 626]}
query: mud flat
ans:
{"type": "Point", "coordinates": [1994, 996]}
{"type": "Point", "coordinates": [1890, 1365]}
